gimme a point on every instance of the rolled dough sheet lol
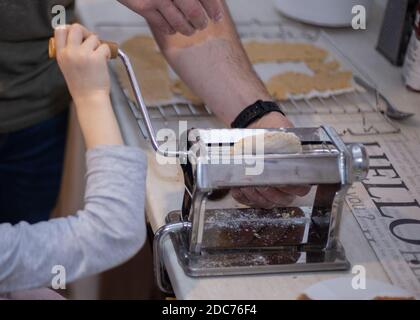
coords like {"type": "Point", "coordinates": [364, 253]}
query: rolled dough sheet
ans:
{"type": "Point", "coordinates": [323, 67]}
{"type": "Point", "coordinates": [292, 83]}
{"type": "Point", "coordinates": [259, 52]}
{"type": "Point", "coordinates": [275, 142]}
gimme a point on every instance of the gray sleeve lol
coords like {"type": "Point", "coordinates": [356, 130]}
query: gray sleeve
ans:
{"type": "Point", "coordinates": [108, 231]}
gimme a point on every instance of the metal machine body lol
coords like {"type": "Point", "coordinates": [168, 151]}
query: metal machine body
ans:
{"type": "Point", "coordinates": [238, 241]}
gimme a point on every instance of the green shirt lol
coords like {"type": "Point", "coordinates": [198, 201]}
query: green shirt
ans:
{"type": "Point", "coordinates": [32, 88]}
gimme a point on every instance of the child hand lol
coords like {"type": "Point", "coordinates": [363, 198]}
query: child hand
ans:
{"type": "Point", "coordinates": [83, 61]}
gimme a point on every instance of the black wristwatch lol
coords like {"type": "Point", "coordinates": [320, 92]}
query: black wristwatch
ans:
{"type": "Point", "coordinates": [255, 112]}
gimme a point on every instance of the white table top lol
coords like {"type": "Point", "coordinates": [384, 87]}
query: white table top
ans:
{"type": "Point", "coordinates": [165, 183]}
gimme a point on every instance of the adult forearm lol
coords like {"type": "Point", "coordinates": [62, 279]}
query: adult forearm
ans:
{"type": "Point", "coordinates": [215, 66]}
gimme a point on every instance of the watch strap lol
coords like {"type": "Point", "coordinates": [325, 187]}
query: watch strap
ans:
{"type": "Point", "coordinates": [255, 112]}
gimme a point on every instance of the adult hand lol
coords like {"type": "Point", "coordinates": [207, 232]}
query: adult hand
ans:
{"type": "Point", "coordinates": [270, 197]}
{"type": "Point", "coordinates": [171, 16]}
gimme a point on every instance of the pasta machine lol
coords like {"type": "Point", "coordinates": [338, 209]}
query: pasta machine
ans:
{"type": "Point", "coordinates": [212, 239]}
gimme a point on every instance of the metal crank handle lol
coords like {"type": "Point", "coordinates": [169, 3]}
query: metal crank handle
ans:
{"type": "Point", "coordinates": [141, 104]}
{"type": "Point", "coordinates": [158, 248]}
{"type": "Point", "coordinates": [117, 52]}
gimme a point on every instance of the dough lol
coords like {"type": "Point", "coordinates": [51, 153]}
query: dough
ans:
{"type": "Point", "coordinates": [323, 67]}
{"type": "Point", "coordinates": [275, 142]}
{"type": "Point", "coordinates": [260, 52]}
{"type": "Point", "coordinates": [298, 83]}
{"type": "Point", "coordinates": [327, 76]}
